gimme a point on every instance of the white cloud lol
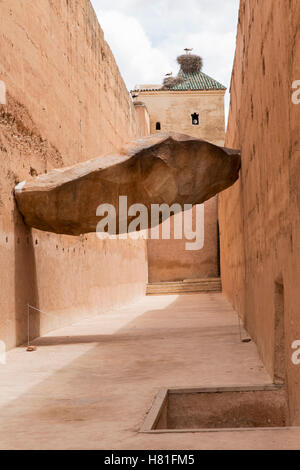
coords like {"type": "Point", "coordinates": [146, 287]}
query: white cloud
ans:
{"type": "Point", "coordinates": [147, 36]}
{"type": "Point", "coordinates": [138, 60]}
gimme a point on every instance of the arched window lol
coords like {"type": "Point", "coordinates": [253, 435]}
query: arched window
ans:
{"type": "Point", "coordinates": [195, 119]}
{"type": "Point", "coordinates": [158, 126]}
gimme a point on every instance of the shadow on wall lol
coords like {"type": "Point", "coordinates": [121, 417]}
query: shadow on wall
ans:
{"type": "Point", "coordinates": [26, 289]}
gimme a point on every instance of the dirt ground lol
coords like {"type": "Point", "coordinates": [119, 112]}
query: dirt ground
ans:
{"type": "Point", "coordinates": [90, 386]}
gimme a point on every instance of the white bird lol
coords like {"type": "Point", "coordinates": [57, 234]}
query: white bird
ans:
{"type": "Point", "coordinates": [187, 50]}
{"type": "Point", "coordinates": [169, 74]}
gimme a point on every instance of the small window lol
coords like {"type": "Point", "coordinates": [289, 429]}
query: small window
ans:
{"type": "Point", "coordinates": [195, 119]}
{"type": "Point", "coordinates": [158, 126]}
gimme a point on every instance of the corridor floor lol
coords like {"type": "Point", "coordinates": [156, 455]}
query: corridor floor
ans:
{"type": "Point", "coordinates": [90, 386]}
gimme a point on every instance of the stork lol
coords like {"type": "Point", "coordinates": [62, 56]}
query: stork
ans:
{"type": "Point", "coordinates": [187, 50]}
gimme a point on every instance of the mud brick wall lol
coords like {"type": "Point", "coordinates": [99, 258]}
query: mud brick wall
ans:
{"type": "Point", "coordinates": [260, 215]}
{"type": "Point", "coordinates": [66, 102]}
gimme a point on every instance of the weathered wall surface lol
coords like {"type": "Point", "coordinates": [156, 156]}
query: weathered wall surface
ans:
{"type": "Point", "coordinates": [169, 260]}
{"type": "Point", "coordinates": [66, 102]}
{"type": "Point", "coordinates": [173, 109]}
{"type": "Point", "coordinates": [260, 214]}
{"type": "Point", "coordinates": [143, 119]}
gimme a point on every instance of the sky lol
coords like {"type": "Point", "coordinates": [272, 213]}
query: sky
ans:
{"type": "Point", "coordinates": [146, 36]}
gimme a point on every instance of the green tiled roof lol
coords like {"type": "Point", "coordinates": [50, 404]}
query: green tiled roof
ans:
{"type": "Point", "coordinates": [198, 81]}
{"type": "Point", "coordinates": [193, 81]}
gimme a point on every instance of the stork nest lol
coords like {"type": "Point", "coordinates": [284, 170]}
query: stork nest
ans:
{"type": "Point", "coordinates": [190, 63]}
{"type": "Point", "coordinates": [170, 82]}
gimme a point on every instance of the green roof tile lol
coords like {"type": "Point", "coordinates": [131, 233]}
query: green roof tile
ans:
{"type": "Point", "coordinates": [198, 81]}
{"type": "Point", "coordinates": [193, 81]}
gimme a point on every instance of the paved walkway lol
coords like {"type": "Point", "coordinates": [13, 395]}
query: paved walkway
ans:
{"type": "Point", "coordinates": [89, 386]}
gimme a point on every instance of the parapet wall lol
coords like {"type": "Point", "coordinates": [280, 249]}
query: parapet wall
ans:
{"type": "Point", "coordinates": [66, 102]}
{"type": "Point", "coordinates": [260, 215]}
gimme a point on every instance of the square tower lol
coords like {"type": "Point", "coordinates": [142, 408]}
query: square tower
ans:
{"type": "Point", "coordinates": [194, 107]}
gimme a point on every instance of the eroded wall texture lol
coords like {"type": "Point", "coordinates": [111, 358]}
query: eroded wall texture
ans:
{"type": "Point", "coordinates": [260, 214]}
{"type": "Point", "coordinates": [171, 260]}
{"type": "Point", "coordinates": [66, 102]}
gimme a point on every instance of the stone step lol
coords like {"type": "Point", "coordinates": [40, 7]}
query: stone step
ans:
{"type": "Point", "coordinates": [184, 287]}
